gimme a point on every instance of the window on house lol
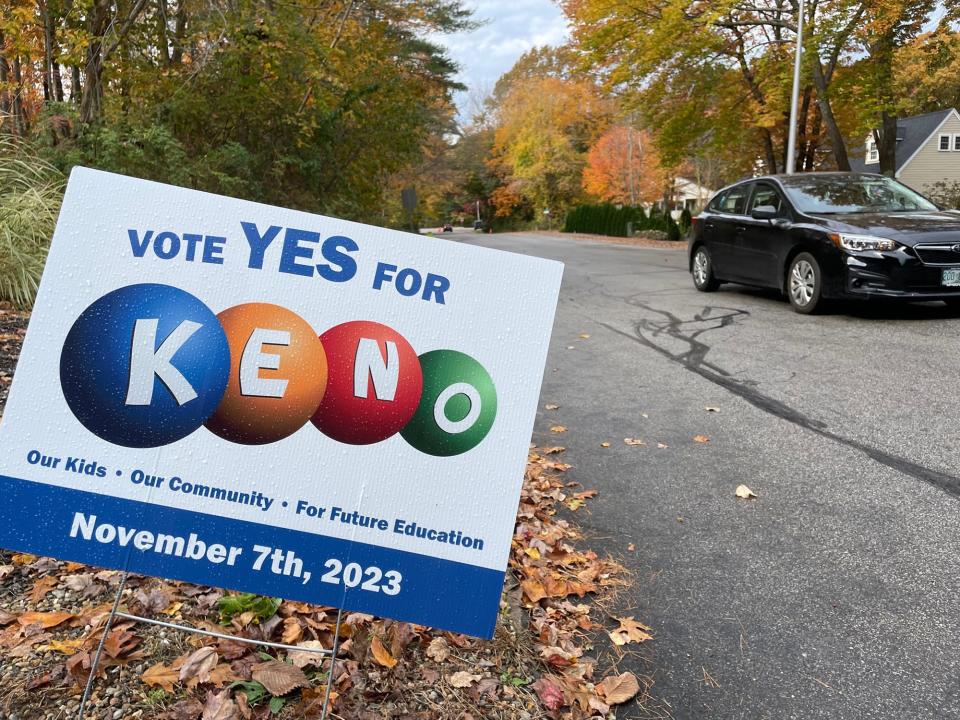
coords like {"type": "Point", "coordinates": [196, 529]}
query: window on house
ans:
{"type": "Point", "coordinates": [944, 143]}
{"type": "Point", "coordinates": [873, 155]}
{"type": "Point", "coordinates": [956, 142]}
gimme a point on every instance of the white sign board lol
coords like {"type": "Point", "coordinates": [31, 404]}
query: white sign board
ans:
{"type": "Point", "coordinates": [256, 398]}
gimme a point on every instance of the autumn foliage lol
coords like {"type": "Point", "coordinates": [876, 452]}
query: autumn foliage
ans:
{"type": "Point", "coordinates": [623, 167]}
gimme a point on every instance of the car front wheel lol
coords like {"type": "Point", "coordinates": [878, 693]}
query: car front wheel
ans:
{"type": "Point", "coordinates": [703, 278]}
{"type": "Point", "coordinates": [804, 284]}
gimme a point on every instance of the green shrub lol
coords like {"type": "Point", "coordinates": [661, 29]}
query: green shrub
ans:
{"type": "Point", "coordinates": [673, 230]}
{"type": "Point", "coordinates": [31, 191]}
{"type": "Point", "coordinates": [686, 220]}
{"type": "Point", "coordinates": [604, 219]}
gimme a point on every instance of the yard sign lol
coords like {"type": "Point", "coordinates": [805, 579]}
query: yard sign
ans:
{"type": "Point", "coordinates": [239, 395]}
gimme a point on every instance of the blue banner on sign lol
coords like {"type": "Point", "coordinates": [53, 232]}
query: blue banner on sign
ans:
{"type": "Point", "coordinates": [206, 549]}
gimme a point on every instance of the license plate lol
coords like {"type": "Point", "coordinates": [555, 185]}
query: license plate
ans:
{"type": "Point", "coordinates": [951, 277]}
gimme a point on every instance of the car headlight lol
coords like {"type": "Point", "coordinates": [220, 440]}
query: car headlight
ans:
{"type": "Point", "coordinates": [859, 243]}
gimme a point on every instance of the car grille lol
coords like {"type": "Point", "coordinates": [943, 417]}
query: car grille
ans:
{"type": "Point", "coordinates": [938, 254]}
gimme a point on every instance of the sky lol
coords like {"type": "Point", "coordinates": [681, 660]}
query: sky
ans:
{"type": "Point", "coordinates": [512, 27]}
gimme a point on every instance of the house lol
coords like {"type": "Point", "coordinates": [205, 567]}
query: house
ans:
{"type": "Point", "coordinates": [686, 194]}
{"type": "Point", "coordinates": [928, 150]}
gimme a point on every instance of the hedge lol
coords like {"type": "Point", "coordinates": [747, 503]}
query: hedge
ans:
{"type": "Point", "coordinates": [613, 220]}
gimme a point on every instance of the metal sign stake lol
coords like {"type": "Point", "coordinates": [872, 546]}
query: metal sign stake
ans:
{"type": "Point", "coordinates": [116, 613]}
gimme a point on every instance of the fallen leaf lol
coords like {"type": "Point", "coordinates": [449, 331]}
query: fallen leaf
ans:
{"type": "Point", "coordinates": [46, 619]}
{"type": "Point", "coordinates": [154, 601]}
{"type": "Point", "coordinates": [662, 445]}
{"type": "Point", "coordinates": [633, 441]}
{"type": "Point", "coordinates": [23, 559]}
{"type": "Point", "coordinates": [604, 444]}
{"type": "Point", "coordinates": [711, 408]}
{"type": "Point", "coordinates": [553, 450]}
{"type": "Point", "coordinates": [161, 675]}
{"type": "Point", "coordinates": [534, 590]}
{"type": "Point", "coordinates": [701, 439]}
{"type": "Point", "coordinates": [584, 336]}
{"type": "Point", "coordinates": [303, 658]}
{"type": "Point", "coordinates": [6, 570]}
{"type": "Point", "coordinates": [631, 547]}
{"type": "Point", "coordinates": [620, 688]}
{"type": "Point", "coordinates": [198, 665]}
{"type": "Point", "coordinates": [67, 647]}
{"type": "Point", "coordinates": [222, 674]}
{"type": "Point", "coordinates": [438, 650]}
{"type": "Point", "coordinates": [189, 709]}
{"type": "Point", "coordinates": [292, 631]}
{"type": "Point", "coordinates": [41, 587]}
{"type": "Point", "coordinates": [630, 631]}
{"type": "Point", "coordinates": [551, 406]}
{"type": "Point", "coordinates": [549, 692]}
{"type": "Point", "coordinates": [744, 492]}
{"type": "Point", "coordinates": [279, 678]}
{"type": "Point", "coordinates": [381, 654]}
{"type": "Point", "coordinates": [219, 706]}
{"type": "Point", "coordinates": [462, 679]}
{"type": "Point", "coordinates": [558, 429]}
{"type": "Point", "coordinates": [121, 643]}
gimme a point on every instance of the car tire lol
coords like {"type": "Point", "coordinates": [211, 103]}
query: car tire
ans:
{"type": "Point", "coordinates": [702, 270]}
{"type": "Point", "coordinates": [805, 284]}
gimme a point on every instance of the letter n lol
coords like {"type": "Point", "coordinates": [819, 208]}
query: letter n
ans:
{"type": "Point", "coordinates": [369, 364]}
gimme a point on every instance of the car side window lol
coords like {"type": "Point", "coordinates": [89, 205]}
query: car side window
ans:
{"type": "Point", "coordinates": [734, 201]}
{"type": "Point", "coordinates": [717, 203]}
{"type": "Point", "coordinates": [766, 195]}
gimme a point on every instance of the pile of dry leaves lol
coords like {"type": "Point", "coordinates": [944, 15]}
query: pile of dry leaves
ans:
{"type": "Point", "coordinates": [538, 665]}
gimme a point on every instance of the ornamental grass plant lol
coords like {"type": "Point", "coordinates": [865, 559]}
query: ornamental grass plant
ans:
{"type": "Point", "coordinates": [31, 191]}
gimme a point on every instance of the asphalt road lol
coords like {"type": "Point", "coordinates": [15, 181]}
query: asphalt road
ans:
{"type": "Point", "coordinates": [834, 594]}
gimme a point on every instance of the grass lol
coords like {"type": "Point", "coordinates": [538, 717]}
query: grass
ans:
{"type": "Point", "coordinates": [31, 191]}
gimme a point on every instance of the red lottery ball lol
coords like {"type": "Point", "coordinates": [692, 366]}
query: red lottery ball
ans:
{"type": "Point", "coordinates": [374, 383]}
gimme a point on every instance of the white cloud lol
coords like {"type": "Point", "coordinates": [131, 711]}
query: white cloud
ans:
{"type": "Point", "coordinates": [512, 27]}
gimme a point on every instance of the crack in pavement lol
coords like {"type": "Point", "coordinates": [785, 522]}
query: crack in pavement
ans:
{"type": "Point", "coordinates": [647, 330]}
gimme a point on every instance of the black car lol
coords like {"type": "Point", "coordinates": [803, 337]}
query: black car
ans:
{"type": "Point", "coordinates": [819, 236]}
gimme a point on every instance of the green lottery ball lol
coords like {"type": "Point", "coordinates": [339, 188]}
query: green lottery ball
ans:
{"type": "Point", "coordinates": [457, 407]}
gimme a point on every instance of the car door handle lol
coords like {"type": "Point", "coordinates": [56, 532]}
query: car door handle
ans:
{"type": "Point", "coordinates": [710, 225]}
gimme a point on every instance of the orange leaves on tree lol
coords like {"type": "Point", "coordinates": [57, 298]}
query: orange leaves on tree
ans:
{"type": "Point", "coordinates": [624, 167]}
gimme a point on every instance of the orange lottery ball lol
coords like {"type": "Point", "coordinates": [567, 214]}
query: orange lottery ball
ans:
{"type": "Point", "coordinates": [278, 373]}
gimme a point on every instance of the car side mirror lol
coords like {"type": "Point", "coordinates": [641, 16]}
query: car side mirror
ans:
{"type": "Point", "coordinates": [764, 212]}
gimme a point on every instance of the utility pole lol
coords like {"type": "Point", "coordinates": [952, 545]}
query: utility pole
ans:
{"type": "Point", "coordinates": [795, 97]}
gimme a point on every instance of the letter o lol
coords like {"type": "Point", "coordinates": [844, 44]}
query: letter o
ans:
{"type": "Point", "coordinates": [439, 408]}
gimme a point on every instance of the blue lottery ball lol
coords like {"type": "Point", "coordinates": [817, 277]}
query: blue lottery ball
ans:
{"type": "Point", "coordinates": [145, 365]}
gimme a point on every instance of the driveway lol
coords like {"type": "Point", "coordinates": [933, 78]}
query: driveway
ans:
{"type": "Point", "coordinates": [833, 594]}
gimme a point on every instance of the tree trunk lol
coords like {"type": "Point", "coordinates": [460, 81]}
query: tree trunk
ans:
{"type": "Point", "coordinates": [163, 39]}
{"type": "Point", "coordinates": [17, 113]}
{"type": "Point", "coordinates": [6, 110]}
{"type": "Point", "coordinates": [76, 88]}
{"type": "Point", "coordinates": [179, 35]}
{"type": "Point", "coordinates": [770, 155]}
{"type": "Point", "coordinates": [886, 138]}
{"type": "Point", "coordinates": [802, 134]}
{"type": "Point", "coordinates": [810, 150]}
{"type": "Point", "coordinates": [837, 142]}
{"type": "Point", "coordinates": [48, 94]}
{"type": "Point", "coordinates": [91, 99]}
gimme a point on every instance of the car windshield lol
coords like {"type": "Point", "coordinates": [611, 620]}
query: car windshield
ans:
{"type": "Point", "coordinates": [826, 195]}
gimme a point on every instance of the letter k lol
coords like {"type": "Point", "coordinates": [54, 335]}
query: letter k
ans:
{"type": "Point", "coordinates": [146, 360]}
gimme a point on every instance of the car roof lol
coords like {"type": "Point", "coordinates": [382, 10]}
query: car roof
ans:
{"type": "Point", "coordinates": [795, 179]}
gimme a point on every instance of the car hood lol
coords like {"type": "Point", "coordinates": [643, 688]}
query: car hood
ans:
{"type": "Point", "coordinates": [908, 228]}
